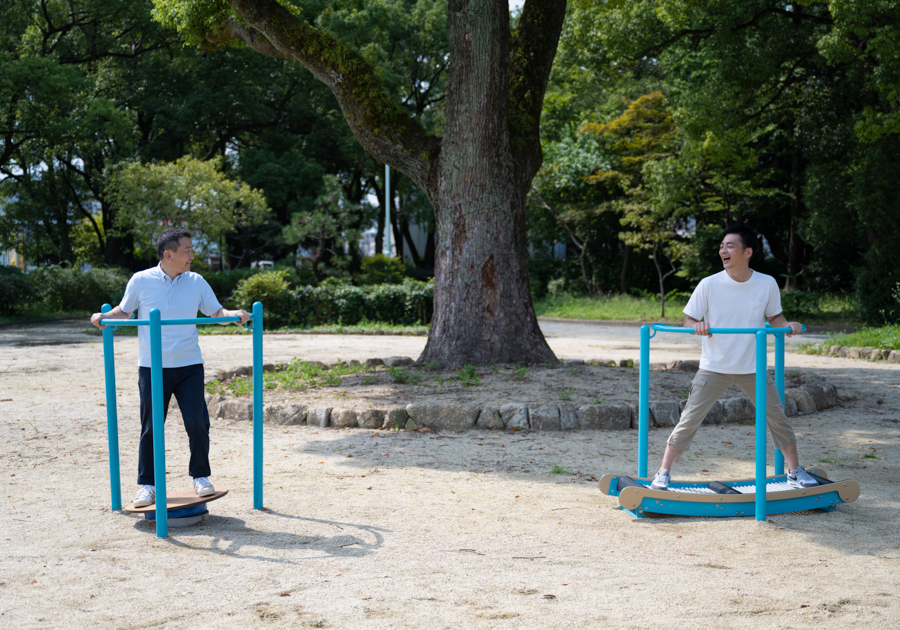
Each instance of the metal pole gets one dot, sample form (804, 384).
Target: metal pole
(257, 405)
(387, 211)
(761, 426)
(779, 383)
(159, 435)
(644, 402)
(112, 420)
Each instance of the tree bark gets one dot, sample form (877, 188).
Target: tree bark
(476, 176)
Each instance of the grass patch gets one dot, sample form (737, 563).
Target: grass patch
(468, 377)
(295, 376)
(556, 469)
(616, 307)
(883, 337)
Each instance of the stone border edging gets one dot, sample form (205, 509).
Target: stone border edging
(867, 353)
(814, 394)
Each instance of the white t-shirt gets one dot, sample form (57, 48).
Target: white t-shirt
(726, 303)
(176, 299)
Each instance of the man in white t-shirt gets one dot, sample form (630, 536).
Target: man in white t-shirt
(178, 293)
(736, 297)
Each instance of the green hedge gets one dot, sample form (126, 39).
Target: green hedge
(69, 289)
(16, 291)
(339, 302)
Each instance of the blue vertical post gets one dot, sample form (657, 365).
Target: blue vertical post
(761, 378)
(644, 402)
(159, 435)
(257, 405)
(779, 383)
(112, 420)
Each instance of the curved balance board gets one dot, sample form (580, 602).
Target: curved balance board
(734, 498)
(178, 500)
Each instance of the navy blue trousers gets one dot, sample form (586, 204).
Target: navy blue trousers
(186, 383)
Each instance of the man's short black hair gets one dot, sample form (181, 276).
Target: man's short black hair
(748, 238)
(170, 239)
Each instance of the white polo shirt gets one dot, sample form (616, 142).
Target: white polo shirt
(727, 303)
(176, 299)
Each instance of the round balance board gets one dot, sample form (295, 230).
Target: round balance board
(183, 507)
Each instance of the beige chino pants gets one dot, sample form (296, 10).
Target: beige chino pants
(705, 391)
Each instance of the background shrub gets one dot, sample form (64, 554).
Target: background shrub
(272, 289)
(16, 291)
(381, 269)
(70, 289)
(339, 302)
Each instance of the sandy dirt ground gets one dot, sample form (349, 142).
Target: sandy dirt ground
(370, 529)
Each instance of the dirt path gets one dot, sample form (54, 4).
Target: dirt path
(371, 529)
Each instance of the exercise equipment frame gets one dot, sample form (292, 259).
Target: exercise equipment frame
(770, 495)
(159, 447)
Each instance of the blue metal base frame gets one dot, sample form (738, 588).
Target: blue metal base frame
(194, 510)
(639, 501)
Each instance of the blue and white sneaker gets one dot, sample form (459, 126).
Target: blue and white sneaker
(661, 481)
(203, 487)
(799, 478)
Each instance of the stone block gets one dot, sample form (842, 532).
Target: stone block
(894, 356)
(808, 378)
(235, 409)
(397, 361)
(790, 407)
(885, 353)
(396, 418)
(489, 418)
(610, 417)
(284, 414)
(835, 350)
(318, 417)
(544, 418)
(805, 403)
(853, 353)
(374, 362)
(343, 418)
(568, 417)
(444, 416)
(664, 413)
(716, 415)
(515, 415)
(817, 392)
(212, 404)
(830, 393)
(370, 418)
(738, 409)
(689, 366)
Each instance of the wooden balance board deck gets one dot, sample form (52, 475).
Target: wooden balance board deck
(732, 498)
(178, 500)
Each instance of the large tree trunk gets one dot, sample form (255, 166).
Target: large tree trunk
(482, 302)
(476, 176)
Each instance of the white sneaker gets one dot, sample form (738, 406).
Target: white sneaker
(799, 478)
(203, 487)
(145, 496)
(661, 481)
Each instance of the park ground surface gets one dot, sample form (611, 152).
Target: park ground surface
(371, 529)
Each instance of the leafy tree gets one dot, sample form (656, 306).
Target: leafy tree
(476, 174)
(185, 193)
(327, 231)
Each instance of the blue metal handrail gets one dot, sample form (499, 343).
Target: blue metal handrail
(761, 370)
(159, 451)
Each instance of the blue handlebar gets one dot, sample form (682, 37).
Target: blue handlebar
(169, 322)
(725, 331)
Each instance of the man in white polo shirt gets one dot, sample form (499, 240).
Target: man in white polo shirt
(736, 297)
(178, 293)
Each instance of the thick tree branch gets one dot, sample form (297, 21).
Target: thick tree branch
(532, 50)
(378, 122)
